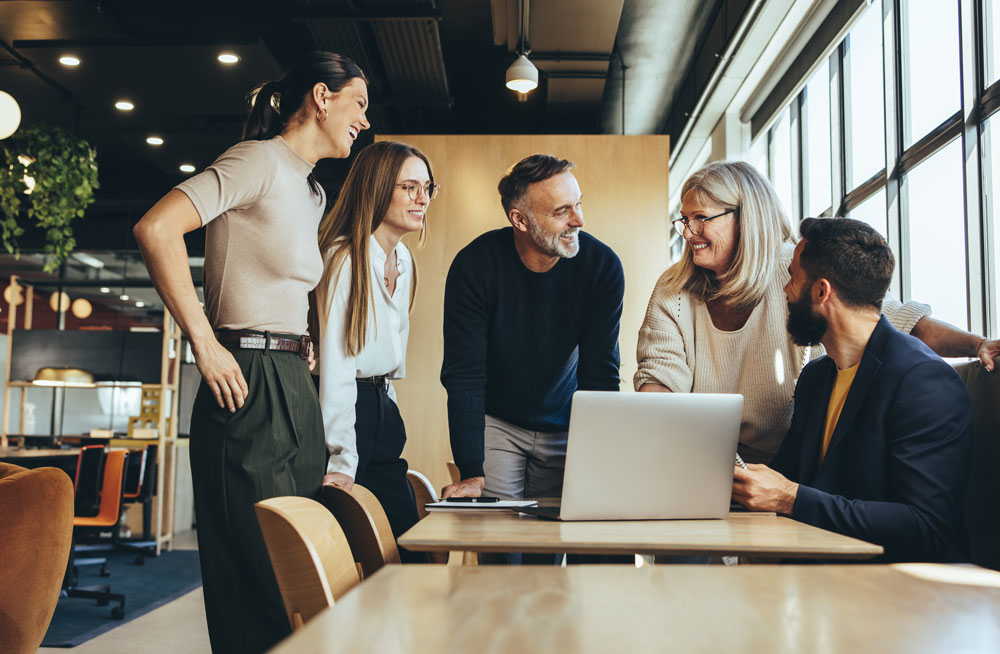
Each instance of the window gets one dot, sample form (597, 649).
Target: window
(873, 212)
(931, 91)
(864, 101)
(936, 261)
(991, 189)
(991, 47)
(781, 162)
(816, 127)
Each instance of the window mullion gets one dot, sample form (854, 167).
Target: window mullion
(971, 76)
(895, 199)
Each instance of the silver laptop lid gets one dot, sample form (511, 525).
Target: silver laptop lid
(645, 456)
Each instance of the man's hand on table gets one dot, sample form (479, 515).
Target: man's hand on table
(763, 489)
(471, 487)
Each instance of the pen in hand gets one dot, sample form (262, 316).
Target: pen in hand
(740, 463)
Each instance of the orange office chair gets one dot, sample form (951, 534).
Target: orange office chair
(106, 519)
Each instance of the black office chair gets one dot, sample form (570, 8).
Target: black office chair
(982, 512)
(140, 488)
(87, 482)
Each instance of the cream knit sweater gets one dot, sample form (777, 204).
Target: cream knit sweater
(680, 348)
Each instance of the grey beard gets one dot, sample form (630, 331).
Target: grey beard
(551, 244)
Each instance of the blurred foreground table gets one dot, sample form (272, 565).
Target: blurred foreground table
(760, 608)
(758, 535)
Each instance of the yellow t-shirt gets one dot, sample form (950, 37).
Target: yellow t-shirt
(838, 396)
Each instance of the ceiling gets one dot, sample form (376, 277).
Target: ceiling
(435, 66)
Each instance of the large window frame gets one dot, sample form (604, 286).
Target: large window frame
(978, 103)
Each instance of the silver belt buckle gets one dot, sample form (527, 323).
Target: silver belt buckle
(253, 342)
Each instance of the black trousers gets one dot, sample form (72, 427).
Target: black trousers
(273, 446)
(381, 436)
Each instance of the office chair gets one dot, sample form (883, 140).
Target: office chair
(140, 488)
(87, 481)
(982, 512)
(310, 555)
(365, 524)
(106, 519)
(36, 514)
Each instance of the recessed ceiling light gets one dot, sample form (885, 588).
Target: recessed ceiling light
(69, 60)
(154, 140)
(105, 289)
(228, 58)
(124, 105)
(123, 298)
(187, 168)
(140, 304)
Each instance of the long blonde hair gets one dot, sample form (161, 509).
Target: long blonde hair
(762, 228)
(346, 229)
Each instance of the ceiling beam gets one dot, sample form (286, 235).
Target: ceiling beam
(371, 14)
(569, 56)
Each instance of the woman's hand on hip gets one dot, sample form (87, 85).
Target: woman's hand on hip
(220, 371)
(340, 480)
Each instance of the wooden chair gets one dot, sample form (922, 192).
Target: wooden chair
(982, 512)
(106, 519)
(365, 524)
(456, 476)
(36, 529)
(311, 557)
(424, 491)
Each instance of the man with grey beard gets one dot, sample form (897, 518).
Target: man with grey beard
(531, 314)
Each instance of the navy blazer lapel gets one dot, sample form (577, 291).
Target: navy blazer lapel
(812, 436)
(871, 362)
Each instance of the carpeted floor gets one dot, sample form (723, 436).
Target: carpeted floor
(146, 587)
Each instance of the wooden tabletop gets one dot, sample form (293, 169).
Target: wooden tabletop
(15, 453)
(746, 534)
(612, 608)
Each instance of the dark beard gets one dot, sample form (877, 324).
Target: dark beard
(804, 326)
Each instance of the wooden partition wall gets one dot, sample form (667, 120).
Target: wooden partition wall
(624, 184)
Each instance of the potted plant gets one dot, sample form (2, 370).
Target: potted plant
(56, 173)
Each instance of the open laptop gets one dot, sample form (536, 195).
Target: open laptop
(648, 456)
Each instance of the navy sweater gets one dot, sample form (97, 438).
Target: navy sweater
(517, 343)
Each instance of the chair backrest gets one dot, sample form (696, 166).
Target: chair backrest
(365, 524)
(87, 483)
(111, 492)
(151, 471)
(135, 472)
(36, 528)
(982, 511)
(310, 555)
(423, 490)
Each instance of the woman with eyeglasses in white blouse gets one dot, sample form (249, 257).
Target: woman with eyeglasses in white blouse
(363, 302)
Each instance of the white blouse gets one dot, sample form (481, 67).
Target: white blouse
(384, 352)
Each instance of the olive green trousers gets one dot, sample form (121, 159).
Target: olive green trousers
(272, 446)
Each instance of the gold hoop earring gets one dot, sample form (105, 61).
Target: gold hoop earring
(324, 112)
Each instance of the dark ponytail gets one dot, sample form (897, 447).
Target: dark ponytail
(272, 104)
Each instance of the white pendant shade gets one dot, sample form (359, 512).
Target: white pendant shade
(522, 76)
(10, 115)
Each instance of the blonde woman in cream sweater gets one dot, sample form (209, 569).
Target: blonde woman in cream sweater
(716, 319)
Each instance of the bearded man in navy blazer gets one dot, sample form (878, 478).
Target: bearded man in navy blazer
(881, 437)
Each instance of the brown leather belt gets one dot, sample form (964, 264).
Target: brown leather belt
(247, 340)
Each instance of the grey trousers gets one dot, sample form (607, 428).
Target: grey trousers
(521, 463)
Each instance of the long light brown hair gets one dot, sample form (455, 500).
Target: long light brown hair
(360, 208)
(762, 229)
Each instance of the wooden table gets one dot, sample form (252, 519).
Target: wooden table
(760, 608)
(760, 535)
(40, 457)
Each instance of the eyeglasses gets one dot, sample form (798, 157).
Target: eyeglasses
(697, 225)
(430, 189)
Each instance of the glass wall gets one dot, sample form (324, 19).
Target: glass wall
(899, 72)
